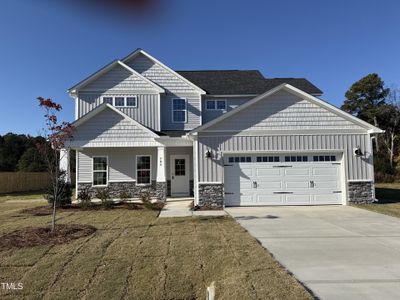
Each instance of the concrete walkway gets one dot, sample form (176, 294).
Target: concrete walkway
(339, 252)
(180, 207)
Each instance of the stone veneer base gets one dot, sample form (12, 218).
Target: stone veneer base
(211, 195)
(156, 190)
(361, 192)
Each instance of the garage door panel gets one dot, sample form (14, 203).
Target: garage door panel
(294, 183)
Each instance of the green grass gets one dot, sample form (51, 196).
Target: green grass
(388, 195)
(135, 255)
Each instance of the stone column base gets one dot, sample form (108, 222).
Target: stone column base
(361, 192)
(211, 195)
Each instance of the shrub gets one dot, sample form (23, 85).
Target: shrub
(146, 199)
(124, 196)
(64, 194)
(85, 198)
(105, 197)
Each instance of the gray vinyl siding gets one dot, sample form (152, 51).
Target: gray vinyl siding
(146, 112)
(178, 151)
(231, 103)
(121, 163)
(193, 112)
(160, 75)
(283, 111)
(109, 129)
(357, 168)
(119, 79)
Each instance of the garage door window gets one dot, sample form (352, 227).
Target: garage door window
(267, 158)
(324, 158)
(296, 158)
(237, 159)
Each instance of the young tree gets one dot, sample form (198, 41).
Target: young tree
(57, 134)
(364, 98)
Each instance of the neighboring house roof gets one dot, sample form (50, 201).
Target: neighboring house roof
(102, 107)
(243, 82)
(107, 68)
(370, 128)
(141, 51)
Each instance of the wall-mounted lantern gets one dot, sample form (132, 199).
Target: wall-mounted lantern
(208, 154)
(357, 151)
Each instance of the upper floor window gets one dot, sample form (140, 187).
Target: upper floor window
(179, 110)
(216, 104)
(119, 101)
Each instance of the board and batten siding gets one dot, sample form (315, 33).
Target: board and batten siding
(231, 103)
(119, 79)
(146, 112)
(110, 129)
(157, 73)
(121, 163)
(357, 168)
(284, 111)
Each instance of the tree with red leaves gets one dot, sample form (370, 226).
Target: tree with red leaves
(58, 135)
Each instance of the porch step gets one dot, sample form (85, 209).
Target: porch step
(176, 199)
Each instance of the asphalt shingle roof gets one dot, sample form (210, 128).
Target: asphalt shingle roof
(237, 82)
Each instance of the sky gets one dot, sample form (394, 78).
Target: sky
(48, 46)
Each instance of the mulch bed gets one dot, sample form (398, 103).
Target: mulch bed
(35, 236)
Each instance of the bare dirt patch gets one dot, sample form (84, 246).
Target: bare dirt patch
(35, 236)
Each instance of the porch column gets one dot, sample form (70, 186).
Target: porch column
(64, 164)
(161, 164)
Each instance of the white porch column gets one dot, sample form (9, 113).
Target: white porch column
(161, 164)
(64, 163)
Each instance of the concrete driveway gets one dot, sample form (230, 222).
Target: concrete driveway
(339, 252)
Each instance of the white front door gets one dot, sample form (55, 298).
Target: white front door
(179, 175)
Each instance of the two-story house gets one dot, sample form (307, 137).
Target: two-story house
(224, 137)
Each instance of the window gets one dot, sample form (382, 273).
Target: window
(143, 169)
(238, 159)
(100, 170)
(180, 167)
(296, 158)
(131, 101)
(216, 104)
(119, 101)
(267, 158)
(324, 158)
(108, 100)
(179, 110)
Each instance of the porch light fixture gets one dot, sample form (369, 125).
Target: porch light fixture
(357, 151)
(208, 154)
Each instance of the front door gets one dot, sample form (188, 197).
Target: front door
(179, 175)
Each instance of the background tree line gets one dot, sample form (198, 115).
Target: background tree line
(370, 100)
(19, 152)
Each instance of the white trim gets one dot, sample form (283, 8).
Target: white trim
(215, 103)
(76, 98)
(196, 171)
(284, 151)
(291, 89)
(125, 97)
(123, 101)
(172, 111)
(231, 96)
(107, 170)
(287, 132)
(187, 175)
(76, 173)
(73, 90)
(159, 111)
(161, 164)
(83, 181)
(138, 51)
(136, 169)
(126, 180)
(102, 107)
(210, 182)
(360, 180)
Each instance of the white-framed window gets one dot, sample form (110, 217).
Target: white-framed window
(179, 110)
(100, 170)
(131, 101)
(121, 101)
(143, 169)
(216, 104)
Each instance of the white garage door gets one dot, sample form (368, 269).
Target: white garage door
(283, 180)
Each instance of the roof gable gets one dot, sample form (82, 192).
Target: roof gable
(156, 71)
(303, 111)
(108, 127)
(116, 75)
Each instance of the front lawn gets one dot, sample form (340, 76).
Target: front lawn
(388, 195)
(135, 255)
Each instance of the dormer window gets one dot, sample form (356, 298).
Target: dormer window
(119, 101)
(216, 104)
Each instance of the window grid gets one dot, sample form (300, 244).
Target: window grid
(179, 110)
(143, 169)
(121, 101)
(324, 158)
(100, 171)
(216, 104)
